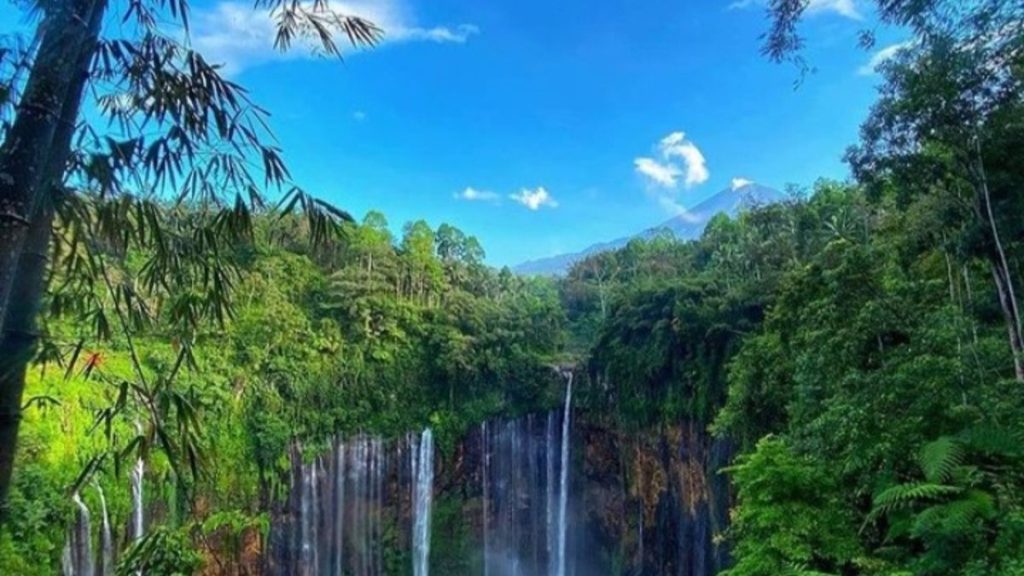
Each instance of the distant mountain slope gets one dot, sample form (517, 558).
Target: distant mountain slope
(684, 227)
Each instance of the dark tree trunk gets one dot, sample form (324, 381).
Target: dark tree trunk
(19, 335)
(25, 153)
(18, 343)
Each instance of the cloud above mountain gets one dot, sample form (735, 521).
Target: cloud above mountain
(678, 161)
(738, 183)
(238, 36)
(678, 157)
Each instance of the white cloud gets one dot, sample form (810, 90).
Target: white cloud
(879, 58)
(238, 36)
(438, 34)
(471, 194)
(663, 174)
(845, 8)
(743, 4)
(738, 183)
(676, 145)
(680, 157)
(679, 161)
(535, 199)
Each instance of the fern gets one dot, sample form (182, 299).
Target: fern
(993, 441)
(940, 458)
(801, 569)
(956, 517)
(952, 499)
(906, 495)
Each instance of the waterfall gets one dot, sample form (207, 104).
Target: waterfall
(106, 559)
(338, 540)
(563, 483)
(524, 467)
(77, 559)
(549, 517)
(340, 506)
(307, 519)
(363, 494)
(138, 472)
(485, 480)
(423, 489)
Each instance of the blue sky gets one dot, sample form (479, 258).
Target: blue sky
(571, 122)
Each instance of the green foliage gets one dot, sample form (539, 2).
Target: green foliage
(452, 547)
(371, 336)
(163, 552)
(967, 496)
(791, 515)
(831, 336)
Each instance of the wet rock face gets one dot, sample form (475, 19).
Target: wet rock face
(653, 502)
(648, 503)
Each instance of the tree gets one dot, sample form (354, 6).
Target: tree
(944, 105)
(946, 96)
(991, 22)
(790, 517)
(423, 269)
(179, 133)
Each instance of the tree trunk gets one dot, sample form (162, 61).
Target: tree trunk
(17, 346)
(19, 335)
(1016, 346)
(24, 154)
(1001, 271)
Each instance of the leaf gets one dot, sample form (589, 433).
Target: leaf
(938, 459)
(905, 495)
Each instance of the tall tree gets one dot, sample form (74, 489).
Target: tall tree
(946, 96)
(179, 132)
(948, 105)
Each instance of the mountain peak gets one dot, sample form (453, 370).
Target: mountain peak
(738, 183)
(688, 225)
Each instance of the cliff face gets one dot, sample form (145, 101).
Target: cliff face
(646, 503)
(653, 502)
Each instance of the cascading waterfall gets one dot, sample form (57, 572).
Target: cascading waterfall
(106, 559)
(485, 461)
(344, 503)
(77, 558)
(338, 538)
(137, 476)
(422, 461)
(138, 515)
(525, 479)
(563, 483)
(549, 517)
(344, 499)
